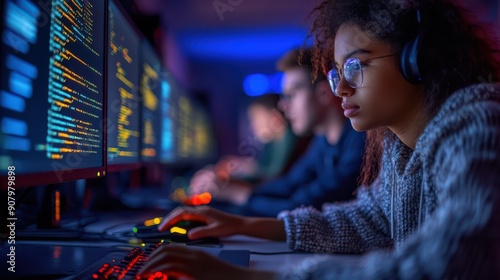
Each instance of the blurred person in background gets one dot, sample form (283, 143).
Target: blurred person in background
(269, 152)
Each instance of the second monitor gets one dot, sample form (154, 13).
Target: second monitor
(123, 107)
(151, 86)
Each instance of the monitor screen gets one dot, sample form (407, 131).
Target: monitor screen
(52, 90)
(123, 115)
(151, 91)
(168, 119)
(203, 135)
(184, 127)
(194, 131)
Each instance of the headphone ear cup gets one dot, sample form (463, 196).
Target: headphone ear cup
(409, 61)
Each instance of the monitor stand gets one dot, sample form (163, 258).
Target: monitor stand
(49, 207)
(52, 204)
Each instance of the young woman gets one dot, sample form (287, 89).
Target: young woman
(412, 73)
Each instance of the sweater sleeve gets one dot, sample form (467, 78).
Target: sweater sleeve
(461, 238)
(350, 227)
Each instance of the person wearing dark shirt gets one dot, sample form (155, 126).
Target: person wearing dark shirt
(325, 173)
(274, 149)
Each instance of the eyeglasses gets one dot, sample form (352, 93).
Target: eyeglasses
(352, 71)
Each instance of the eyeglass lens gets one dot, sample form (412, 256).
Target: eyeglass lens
(352, 73)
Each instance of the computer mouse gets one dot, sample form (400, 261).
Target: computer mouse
(179, 231)
(176, 233)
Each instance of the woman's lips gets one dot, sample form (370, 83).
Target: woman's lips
(349, 109)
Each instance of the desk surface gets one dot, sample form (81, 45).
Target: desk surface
(277, 256)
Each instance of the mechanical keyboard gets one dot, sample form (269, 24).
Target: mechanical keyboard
(128, 267)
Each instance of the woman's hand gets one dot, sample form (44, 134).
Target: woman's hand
(181, 261)
(219, 224)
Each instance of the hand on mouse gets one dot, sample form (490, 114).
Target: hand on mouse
(181, 261)
(219, 224)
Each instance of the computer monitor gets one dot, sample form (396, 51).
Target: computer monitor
(124, 112)
(184, 127)
(203, 135)
(151, 84)
(52, 91)
(195, 137)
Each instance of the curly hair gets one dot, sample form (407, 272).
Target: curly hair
(454, 51)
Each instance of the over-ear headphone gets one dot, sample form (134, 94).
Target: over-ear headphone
(409, 57)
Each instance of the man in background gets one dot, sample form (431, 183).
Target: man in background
(329, 169)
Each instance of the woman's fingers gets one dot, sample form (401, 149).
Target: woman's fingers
(219, 224)
(162, 255)
(176, 261)
(181, 214)
(183, 261)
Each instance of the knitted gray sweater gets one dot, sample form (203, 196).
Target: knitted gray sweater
(440, 202)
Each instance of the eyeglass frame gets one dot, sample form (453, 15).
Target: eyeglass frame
(340, 75)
